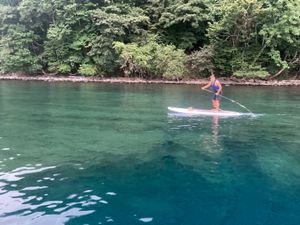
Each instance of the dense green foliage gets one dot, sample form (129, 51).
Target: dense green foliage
(151, 60)
(169, 39)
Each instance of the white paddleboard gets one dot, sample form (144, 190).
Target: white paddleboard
(192, 111)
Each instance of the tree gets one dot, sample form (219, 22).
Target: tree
(69, 38)
(244, 38)
(151, 60)
(15, 50)
(250, 36)
(119, 22)
(281, 34)
(16, 43)
(234, 35)
(183, 23)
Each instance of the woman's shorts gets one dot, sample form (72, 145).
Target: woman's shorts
(217, 97)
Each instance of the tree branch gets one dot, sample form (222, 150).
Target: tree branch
(278, 73)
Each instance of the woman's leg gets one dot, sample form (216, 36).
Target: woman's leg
(216, 104)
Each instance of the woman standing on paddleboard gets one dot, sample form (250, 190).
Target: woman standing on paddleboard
(217, 88)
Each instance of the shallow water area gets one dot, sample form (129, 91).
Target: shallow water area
(79, 154)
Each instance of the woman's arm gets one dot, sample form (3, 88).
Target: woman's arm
(220, 88)
(206, 86)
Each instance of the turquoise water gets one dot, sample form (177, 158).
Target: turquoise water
(110, 154)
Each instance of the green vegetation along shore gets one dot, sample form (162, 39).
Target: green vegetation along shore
(227, 81)
(151, 39)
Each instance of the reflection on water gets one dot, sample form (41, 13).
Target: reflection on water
(31, 204)
(215, 128)
(21, 204)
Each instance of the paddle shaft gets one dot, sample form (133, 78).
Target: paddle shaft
(230, 100)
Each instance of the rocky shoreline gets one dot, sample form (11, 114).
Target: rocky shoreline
(225, 81)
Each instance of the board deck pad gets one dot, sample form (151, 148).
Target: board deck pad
(206, 112)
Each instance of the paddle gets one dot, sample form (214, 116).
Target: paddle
(222, 96)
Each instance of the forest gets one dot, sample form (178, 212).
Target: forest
(151, 39)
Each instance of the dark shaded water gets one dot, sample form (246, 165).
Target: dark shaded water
(97, 153)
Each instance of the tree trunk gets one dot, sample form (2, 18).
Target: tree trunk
(278, 73)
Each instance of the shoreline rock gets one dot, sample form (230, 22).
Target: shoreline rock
(225, 81)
